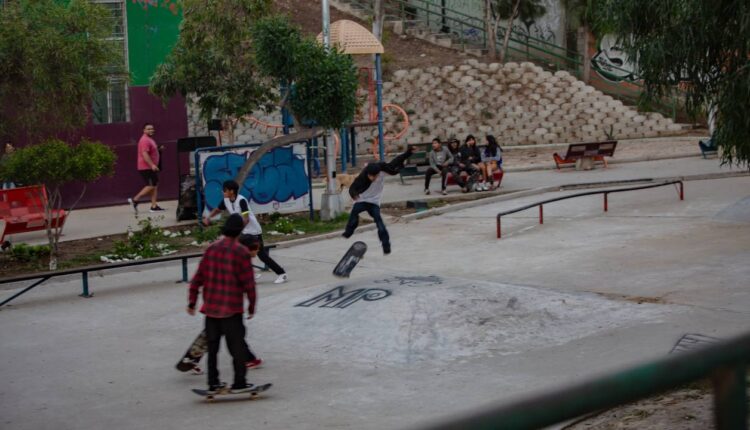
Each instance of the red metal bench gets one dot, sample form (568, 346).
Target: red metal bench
(582, 152)
(22, 210)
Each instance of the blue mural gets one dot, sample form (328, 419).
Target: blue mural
(277, 177)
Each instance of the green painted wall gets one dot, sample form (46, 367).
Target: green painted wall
(153, 27)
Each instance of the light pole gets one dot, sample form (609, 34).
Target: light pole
(330, 204)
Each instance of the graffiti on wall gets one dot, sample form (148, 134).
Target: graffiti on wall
(277, 182)
(611, 62)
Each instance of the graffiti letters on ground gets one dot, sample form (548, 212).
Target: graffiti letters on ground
(338, 298)
(611, 62)
(277, 181)
(412, 281)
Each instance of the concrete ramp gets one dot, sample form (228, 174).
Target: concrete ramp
(737, 212)
(405, 319)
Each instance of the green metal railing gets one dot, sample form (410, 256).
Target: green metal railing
(724, 363)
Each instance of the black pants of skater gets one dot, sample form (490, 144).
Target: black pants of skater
(246, 239)
(233, 330)
(374, 211)
(428, 176)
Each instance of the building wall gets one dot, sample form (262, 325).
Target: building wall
(152, 30)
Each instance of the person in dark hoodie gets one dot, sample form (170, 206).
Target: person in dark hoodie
(366, 191)
(471, 159)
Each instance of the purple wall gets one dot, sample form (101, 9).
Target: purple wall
(170, 123)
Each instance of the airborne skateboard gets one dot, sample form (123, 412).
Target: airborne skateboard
(193, 355)
(253, 394)
(350, 259)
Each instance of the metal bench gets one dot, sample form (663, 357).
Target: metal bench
(417, 164)
(22, 210)
(708, 147)
(583, 155)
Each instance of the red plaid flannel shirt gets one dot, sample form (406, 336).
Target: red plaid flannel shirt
(225, 273)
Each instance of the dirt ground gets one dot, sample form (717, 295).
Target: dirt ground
(687, 409)
(401, 52)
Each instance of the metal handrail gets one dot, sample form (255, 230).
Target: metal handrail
(587, 193)
(725, 363)
(40, 277)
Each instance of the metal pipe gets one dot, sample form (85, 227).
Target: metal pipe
(730, 398)
(379, 90)
(605, 202)
(184, 270)
(541, 214)
(24, 290)
(499, 234)
(85, 281)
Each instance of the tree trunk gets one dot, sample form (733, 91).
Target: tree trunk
(272, 144)
(490, 29)
(508, 30)
(583, 48)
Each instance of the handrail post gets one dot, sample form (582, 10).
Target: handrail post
(499, 234)
(606, 207)
(541, 214)
(184, 270)
(682, 191)
(730, 398)
(85, 282)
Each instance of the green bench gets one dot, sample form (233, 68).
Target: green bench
(417, 164)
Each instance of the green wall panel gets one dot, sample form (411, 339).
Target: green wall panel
(153, 27)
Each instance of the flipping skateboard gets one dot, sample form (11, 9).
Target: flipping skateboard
(193, 355)
(253, 394)
(350, 259)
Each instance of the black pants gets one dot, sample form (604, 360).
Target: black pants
(374, 211)
(428, 176)
(456, 172)
(233, 329)
(246, 239)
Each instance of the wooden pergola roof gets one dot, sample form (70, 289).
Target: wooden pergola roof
(352, 38)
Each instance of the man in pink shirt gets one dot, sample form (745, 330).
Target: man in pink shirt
(148, 167)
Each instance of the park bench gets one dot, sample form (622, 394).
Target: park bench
(22, 210)
(583, 155)
(417, 164)
(708, 147)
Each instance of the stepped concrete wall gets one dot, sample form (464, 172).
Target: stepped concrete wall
(521, 104)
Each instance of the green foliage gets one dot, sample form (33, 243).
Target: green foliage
(702, 45)
(528, 10)
(147, 242)
(281, 224)
(54, 163)
(324, 80)
(27, 253)
(424, 129)
(53, 57)
(214, 59)
(208, 233)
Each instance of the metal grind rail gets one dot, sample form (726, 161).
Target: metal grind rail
(724, 363)
(587, 193)
(39, 278)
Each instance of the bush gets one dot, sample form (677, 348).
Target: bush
(147, 242)
(27, 253)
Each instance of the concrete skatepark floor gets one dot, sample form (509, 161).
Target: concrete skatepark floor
(468, 320)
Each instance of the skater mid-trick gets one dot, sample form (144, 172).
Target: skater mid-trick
(366, 191)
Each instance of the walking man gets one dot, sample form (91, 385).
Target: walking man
(225, 274)
(148, 167)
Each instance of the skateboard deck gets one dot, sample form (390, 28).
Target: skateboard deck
(350, 259)
(226, 392)
(193, 355)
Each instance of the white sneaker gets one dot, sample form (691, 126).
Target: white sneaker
(484, 186)
(281, 279)
(258, 275)
(427, 192)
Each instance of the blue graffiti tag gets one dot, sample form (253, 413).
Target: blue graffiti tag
(278, 176)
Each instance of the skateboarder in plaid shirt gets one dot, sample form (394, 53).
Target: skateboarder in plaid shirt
(225, 274)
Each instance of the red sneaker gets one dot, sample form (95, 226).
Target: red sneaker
(254, 364)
